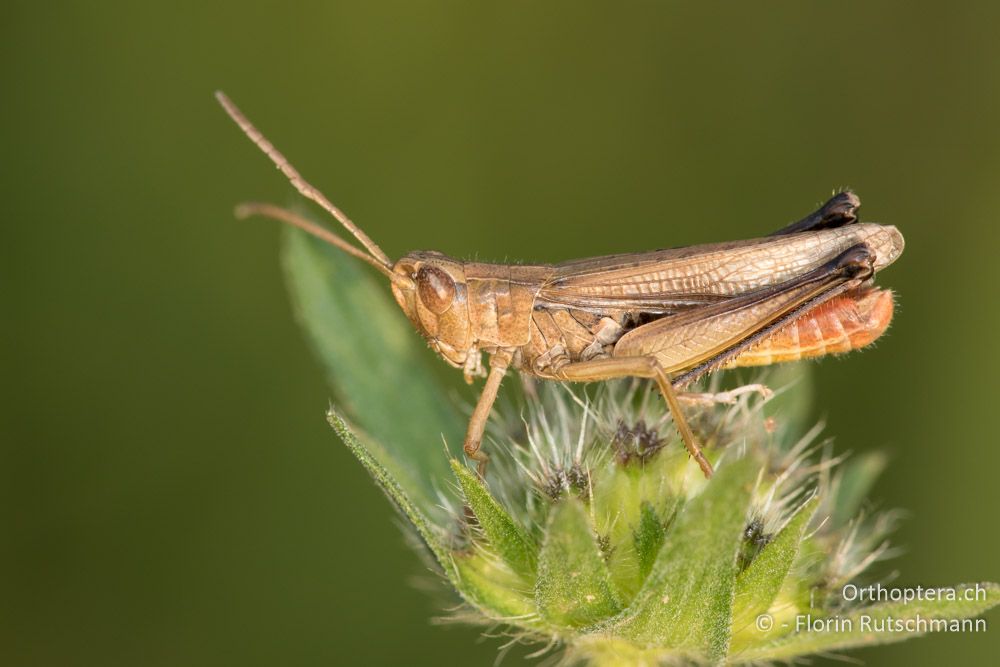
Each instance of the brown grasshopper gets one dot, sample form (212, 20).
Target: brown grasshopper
(667, 315)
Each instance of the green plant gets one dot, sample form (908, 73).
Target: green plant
(595, 533)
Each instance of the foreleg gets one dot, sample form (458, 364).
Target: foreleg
(499, 363)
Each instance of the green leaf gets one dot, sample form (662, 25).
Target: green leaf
(395, 493)
(850, 630)
(759, 584)
(647, 538)
(493, 591)
(574, 587)
(686, 602)
(497, 592)
(856, 478)
(506, 536)
(375, 364)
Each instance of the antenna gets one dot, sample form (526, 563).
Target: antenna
(306, 190)
(284, 215)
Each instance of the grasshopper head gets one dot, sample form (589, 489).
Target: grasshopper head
(436, 302)
(429, 287)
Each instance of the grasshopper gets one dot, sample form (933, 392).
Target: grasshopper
(672, 315)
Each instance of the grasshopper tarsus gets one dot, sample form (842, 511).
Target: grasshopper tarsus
(857, 262)
(729, 397)
(838, 211)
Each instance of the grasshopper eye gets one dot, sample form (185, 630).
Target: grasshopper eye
(436, 289)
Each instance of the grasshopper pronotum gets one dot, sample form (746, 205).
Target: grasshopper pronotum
(667, 315)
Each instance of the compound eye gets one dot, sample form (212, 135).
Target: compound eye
(436, 289)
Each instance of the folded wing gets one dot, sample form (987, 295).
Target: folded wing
(673, 280)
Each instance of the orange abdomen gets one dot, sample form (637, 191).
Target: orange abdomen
(844, 323)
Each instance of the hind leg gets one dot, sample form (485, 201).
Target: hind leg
(644, 367)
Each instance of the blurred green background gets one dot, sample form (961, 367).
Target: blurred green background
(172, 494)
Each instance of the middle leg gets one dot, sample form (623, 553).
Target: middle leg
(499, 363)
(725, 397)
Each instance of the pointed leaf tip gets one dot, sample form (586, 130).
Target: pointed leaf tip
(759, 584)
(506, 536)
(394, 491)
(647, 539)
